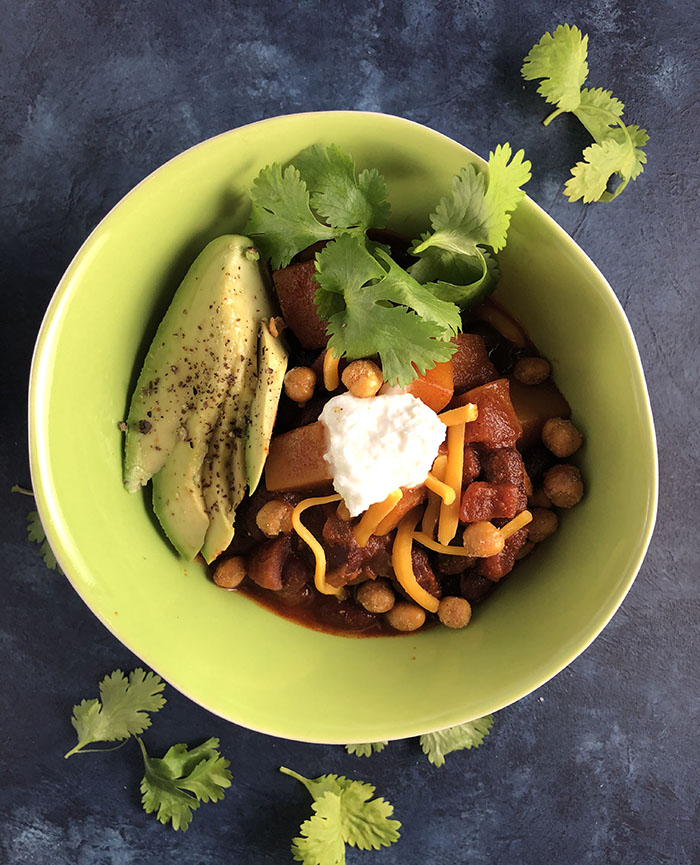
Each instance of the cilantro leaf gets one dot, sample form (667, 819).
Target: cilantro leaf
(477, 212)
(470, 735)
(368, 323)
(598, 111)
(36, 533)
(559, 59)
(355, 819)
(321, 840)
(342, 198)
(589, 178)
(175, 785)
(281, 220)
(122, 710)
(366, 749)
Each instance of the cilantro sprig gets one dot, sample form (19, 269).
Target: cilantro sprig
(372, 305)
(344, 813)
(323, 178)
(366, 749)
(122, 711)
(436, 746)
(559, 61)
(175, 785)
(36, 533)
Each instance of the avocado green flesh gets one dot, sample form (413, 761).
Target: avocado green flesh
(224, 473)
(190, 407)
(272, 365)
(178, 502)
(185, 355)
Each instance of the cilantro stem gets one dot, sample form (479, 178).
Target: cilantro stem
(16, 488)
(553, 116)
(292, 774)
(80, 750)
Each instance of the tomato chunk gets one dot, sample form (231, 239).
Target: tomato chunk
(497, 424)
(494, 568)
(470, 363)
(296, 289)
(435, 387)
(484, 501)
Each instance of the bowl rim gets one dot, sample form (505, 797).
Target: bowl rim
(41, 479)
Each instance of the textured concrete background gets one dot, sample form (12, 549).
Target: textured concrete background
(601, 764)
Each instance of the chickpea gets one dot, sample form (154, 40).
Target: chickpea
(561, 437)
(230, 573)
(405, 616)
(563, 485)
(276, 325)
(299, 384)
(532, 370)
(539, 499)
(275, 518)
(544, 523)
(525, 550)
(376, 596)
(482, 540)
(362, 378)
(454, 612)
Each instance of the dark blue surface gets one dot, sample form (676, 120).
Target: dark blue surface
(600, 765)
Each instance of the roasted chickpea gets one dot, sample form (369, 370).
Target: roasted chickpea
(482, 540)
(230, 573)
(376, 596)
(532, 370)
(454, 612)
(362, 378)
(275, 518)
(563, 486)
(544, 523)
(405, 616)
(525, 550)
(539, 499)
(561, 437)
(299, 384)
(276, 325)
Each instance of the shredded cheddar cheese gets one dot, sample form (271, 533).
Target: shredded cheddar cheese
(440, 488)
(449, 514)
(331, 379)
(428, 542)
(403, 564)
(316, 548)
(517, 523)
(463, 414)
(374, 515)
(343, 512)
(432, 511)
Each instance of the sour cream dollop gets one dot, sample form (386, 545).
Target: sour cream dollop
(378, 444)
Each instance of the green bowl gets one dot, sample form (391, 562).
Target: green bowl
(221, 649)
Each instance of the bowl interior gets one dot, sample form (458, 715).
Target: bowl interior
(220, 648)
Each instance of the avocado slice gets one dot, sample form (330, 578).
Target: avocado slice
(194, 339)
(272, 365)
(224, 473)
(197, 379)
